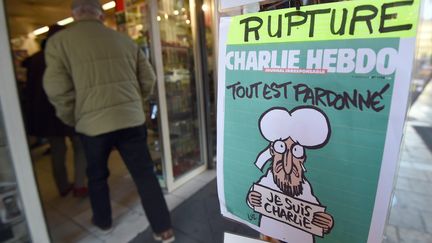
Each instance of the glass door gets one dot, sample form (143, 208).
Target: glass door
(183, 91)
(21, 218)
(13, 225)
(138, 27)
(165, 31)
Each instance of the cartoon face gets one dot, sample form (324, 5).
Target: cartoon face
(289, 134)
(288, 166)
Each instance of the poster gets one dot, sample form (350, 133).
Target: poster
(311, 109)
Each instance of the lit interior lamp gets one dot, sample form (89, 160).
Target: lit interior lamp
(158, 18)
(205, 7)
(65, 21)
(69, 20)
(176, 12)
(166, 16)
(40, 31)
(109, 5)
(188, 21)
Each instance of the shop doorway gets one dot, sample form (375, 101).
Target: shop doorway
(167, 31)
(67, 217)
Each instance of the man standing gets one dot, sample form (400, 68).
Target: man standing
(42, 122)
(96, 78)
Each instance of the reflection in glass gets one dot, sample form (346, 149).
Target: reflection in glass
(207, 9)
(13, 226)
(177, 53)
(138, 28)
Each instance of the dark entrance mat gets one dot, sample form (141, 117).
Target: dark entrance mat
(198, 220)
(426, 134)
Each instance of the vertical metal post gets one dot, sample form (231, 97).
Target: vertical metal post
(216, 17)
(199, 63)
(205, 81)
(163, 114)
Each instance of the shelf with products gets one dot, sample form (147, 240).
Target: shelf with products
(186, 128)
(180, 103)
(181, 98)
(175, 116)
(177, 81)
(177, 47)
(183, 118)
(185, 125)
(155, 150)
(138, 23)
(182, 165)
(185, 145)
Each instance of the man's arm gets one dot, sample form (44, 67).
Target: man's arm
(59, 86)
(146, 76)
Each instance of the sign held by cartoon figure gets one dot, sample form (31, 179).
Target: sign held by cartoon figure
(283, 196)
(299, 214)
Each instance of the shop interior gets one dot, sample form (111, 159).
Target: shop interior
(177, 142)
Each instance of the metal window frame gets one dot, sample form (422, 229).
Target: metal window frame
(171, 182)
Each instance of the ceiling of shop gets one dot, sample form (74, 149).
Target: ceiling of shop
(24, 16)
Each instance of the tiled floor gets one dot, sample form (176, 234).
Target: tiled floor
(69, 218)
(198, 220)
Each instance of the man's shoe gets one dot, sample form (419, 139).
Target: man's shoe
(80, 192)
(165, 237)
(103, 229)
(65, 192)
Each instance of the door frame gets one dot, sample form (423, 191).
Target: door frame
(17, 140)
(171, 182)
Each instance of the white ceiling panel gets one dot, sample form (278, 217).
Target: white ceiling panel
(24, 16)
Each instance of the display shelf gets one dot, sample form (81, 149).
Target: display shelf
(186, 126)
(184, 94)
(175, 45)
(178, 48)
(187, 163)
(178, 116)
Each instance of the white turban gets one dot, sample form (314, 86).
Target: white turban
(307, 126)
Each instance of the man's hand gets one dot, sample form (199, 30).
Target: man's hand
(254, 198)
(324, 221)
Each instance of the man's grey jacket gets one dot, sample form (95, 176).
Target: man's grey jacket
(96, 78)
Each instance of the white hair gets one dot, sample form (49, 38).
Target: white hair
(87, 11)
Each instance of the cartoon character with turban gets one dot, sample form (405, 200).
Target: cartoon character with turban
(289, 134)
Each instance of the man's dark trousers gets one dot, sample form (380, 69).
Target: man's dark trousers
(132, 145)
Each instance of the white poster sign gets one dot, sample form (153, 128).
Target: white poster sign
(311, 111)
(295, 212)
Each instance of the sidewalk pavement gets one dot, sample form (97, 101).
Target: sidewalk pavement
(198, 219)
(411, 214)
